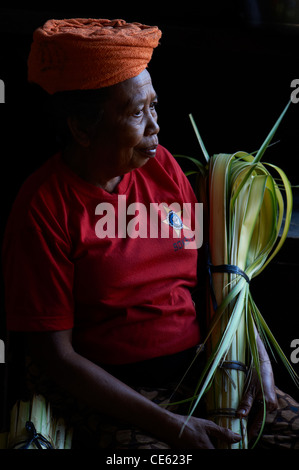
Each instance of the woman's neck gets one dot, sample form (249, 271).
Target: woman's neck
(80, 162)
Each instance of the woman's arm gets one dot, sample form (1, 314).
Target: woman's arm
(106, 394)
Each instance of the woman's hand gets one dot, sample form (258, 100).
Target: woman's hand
(253, 397)
(201, 434)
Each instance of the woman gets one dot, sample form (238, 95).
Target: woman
(107, 306)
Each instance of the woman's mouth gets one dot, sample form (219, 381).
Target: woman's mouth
(148, 152)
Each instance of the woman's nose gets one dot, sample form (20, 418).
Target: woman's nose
(152, 126)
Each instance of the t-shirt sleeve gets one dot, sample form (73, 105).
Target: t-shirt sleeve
(38, 276)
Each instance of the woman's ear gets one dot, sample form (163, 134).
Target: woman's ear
(79, 134)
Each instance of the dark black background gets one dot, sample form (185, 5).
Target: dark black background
(228, 63)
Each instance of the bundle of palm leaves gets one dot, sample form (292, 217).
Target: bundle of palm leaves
(34, 426)
(249, 213)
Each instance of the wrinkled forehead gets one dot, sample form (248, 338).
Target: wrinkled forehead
(134, 90)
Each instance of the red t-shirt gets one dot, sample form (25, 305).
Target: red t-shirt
(126, 297)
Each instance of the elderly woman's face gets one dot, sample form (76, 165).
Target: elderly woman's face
(127, 137)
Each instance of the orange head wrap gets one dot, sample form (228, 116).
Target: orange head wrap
(77, 54)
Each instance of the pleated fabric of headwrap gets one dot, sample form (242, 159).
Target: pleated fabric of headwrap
(84, 53)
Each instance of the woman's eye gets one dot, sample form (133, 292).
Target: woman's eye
(138, 113)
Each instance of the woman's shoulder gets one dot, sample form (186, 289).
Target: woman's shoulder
(36, 183)
(37, 193)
